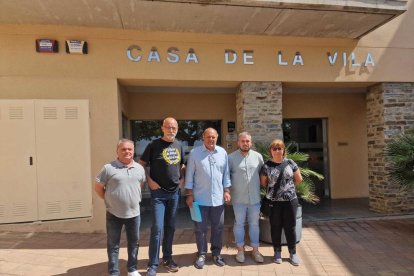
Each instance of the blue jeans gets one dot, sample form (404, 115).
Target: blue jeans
(164, 209)
(113, 230)
(216, 217)
(252, 212)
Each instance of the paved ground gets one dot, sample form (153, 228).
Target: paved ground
(361, 247)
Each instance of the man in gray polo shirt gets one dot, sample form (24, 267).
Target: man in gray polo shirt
(119, 183)
(244, 165)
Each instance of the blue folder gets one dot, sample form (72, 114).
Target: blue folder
(195, 212)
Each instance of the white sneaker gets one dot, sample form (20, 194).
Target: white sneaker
(134, 273)
(240, 257)
(294, 259)
(278, 257)
(258, 257)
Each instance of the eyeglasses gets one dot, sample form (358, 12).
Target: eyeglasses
(168, 127)
(277, 149)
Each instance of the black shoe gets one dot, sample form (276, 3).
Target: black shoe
(199, 263)
(218, 260)
(170, 265)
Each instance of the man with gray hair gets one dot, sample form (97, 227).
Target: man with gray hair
(119, 183)
(244, 166)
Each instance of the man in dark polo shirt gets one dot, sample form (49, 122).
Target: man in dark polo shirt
(165, 158)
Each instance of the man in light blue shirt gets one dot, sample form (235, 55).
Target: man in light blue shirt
(245, 165)
(207, 182)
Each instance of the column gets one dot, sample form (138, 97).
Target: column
(259, 110)
(390, 112)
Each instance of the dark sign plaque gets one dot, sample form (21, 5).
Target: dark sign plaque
(47, 46)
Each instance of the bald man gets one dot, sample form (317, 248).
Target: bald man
(208, 183)
(165, 158)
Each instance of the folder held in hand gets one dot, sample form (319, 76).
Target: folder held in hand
(195, 212)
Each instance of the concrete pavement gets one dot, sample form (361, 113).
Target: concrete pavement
(360, 247)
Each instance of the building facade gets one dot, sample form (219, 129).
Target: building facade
(334, 83)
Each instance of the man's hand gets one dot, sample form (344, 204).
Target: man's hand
(152, 184)
(100, 190)
(227, 196)
(182, 182)
(189, 198)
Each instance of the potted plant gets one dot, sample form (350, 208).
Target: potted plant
(305, 191)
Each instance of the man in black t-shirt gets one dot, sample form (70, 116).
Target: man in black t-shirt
(165, 159)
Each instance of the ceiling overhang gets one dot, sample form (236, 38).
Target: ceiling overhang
(306, 18)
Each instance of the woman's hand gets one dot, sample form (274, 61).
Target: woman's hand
(297, 177)
(263, 181)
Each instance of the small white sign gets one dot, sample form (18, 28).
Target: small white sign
(231, 137)
(76, 47)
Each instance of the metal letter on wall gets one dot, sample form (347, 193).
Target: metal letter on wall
(130, 55)
(172, 53)
(230, 56)
(191, 56)
(248, 57)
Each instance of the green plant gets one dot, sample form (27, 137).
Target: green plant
(400, 154)
(306, 189)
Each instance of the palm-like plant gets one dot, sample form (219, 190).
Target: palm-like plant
(306, 190)
(400, 154)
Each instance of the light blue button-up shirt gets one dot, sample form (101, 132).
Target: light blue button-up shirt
(245, 179)
(207, 174)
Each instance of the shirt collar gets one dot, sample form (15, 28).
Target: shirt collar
(121, 165)
(241, 154)
(206, 149)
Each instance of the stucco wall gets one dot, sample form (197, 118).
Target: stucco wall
(104, 130)
(346, 114)
(107, 56)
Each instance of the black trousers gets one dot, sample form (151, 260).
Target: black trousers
(283, 216)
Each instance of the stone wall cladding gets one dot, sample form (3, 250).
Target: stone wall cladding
(259, 110)
(390, 112)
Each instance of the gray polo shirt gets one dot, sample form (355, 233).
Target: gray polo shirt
(244, 174)
(122, 188)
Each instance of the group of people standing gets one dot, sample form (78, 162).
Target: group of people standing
(211, 178)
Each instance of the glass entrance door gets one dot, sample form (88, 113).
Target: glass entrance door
(310, 136)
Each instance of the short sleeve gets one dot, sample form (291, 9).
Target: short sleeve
(261, 162)
(102, 177)
(147, 153)
(264, 170)
(293, 165)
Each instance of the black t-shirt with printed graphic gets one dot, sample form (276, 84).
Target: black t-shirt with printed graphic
(165, 160)
(286, 191)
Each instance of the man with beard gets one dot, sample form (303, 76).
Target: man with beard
(165, 158)
(245, 165)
